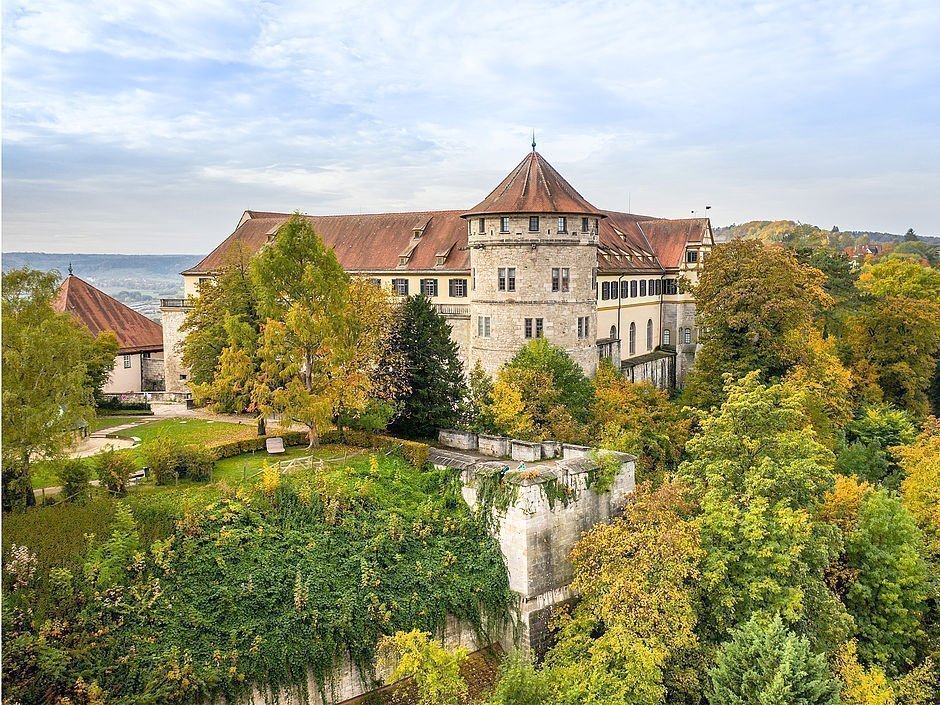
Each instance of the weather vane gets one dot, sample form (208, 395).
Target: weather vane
(533, 140)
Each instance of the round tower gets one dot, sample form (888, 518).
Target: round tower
(533, 259)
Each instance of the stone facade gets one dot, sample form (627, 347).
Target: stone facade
(176, 375)
(508, 303)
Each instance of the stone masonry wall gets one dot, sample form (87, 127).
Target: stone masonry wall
(175, 374)
(533, 255)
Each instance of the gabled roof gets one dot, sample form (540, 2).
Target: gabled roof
(669, 238)
(361, 242)
(534, 187)
(100, 312)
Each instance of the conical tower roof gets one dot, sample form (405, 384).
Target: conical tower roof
(534, 187)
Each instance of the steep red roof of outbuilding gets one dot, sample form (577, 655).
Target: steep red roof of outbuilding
(361, 242)
(100, 312)
(534, 187)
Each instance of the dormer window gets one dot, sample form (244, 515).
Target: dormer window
(440, 260)
(403, 260)
(417, 232)
(691, 256)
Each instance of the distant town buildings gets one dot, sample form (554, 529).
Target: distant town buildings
(533, 259)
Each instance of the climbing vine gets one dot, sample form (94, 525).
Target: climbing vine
(494, 495)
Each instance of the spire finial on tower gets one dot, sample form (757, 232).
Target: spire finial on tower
(70, 269)
(533, 140)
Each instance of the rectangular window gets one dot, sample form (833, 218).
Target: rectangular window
(400, 286)
(691, 256)
(584, 225)
(458, 288)
(642, 287)
(565, 278)
(127, 361)
(605, 290)
(483, 326)
(580, 327)
(511, 279)
(624, 290)
(504, 224)
(473, 279)
(652, 286)
(533, 223)
(556, 279)
(538, 327)
(633, 289)
(528, 328)
(501, 279)
(659, 287)
(482, 226)
(594, 279)
(584, 326)
(429, 287)
(562, 225)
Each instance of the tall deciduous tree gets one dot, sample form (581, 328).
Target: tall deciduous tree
(47, 390)
(766, 663)
(754, 303)
(638, 419)
(432, 368)
(888, 597)
(324, 335)
(760, 475)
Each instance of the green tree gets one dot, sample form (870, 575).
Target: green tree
(767, 664)
(476, 408)
(521, 683)
(433, 368)
(576, 393)
(867, 461)
(435, 670)
(910, 235)
(223, 314)
(888, 597)
(754, 303)
(323, 334)
(638, 419)
(760, 476)
(47, 391)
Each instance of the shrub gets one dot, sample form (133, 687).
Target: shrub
(196, 462)
(114, 469)
(163, 456)
(416, 453)
(74, 476)
(247, 445)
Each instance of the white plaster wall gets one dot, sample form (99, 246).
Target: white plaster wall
(124, 379)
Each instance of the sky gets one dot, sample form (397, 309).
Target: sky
(149, 127)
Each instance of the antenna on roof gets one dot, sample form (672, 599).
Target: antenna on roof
(70, 269)
(533, 140)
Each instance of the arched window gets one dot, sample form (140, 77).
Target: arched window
(667, 336)
(649, 334)
(613, 331)
(633, 338)
(687, 336)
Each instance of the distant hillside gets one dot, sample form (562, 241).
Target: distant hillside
(140, 281)
(790, 230)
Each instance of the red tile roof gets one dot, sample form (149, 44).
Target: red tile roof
(99, 312)
(669, 238)
(534, 187)
(362, 242)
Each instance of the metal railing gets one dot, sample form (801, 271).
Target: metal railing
(453, 309)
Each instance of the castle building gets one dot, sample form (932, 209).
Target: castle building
(139, 364)
(533, 259)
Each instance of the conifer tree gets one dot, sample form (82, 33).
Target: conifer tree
(432, 367)
(766, 663)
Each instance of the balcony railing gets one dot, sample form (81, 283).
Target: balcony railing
(453, 309)
(174, 303)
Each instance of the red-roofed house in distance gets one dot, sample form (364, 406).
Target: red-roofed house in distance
(139, 363)
(533, 259)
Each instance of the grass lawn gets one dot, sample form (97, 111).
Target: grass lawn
(233, 469)
(187, 431)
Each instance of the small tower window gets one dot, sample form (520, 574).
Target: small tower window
(584, 225)
(482, 226)
(562, 225)
(504, 224)
(533, 223)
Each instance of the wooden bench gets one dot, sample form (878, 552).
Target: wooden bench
(136, 478)
(274, 445)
